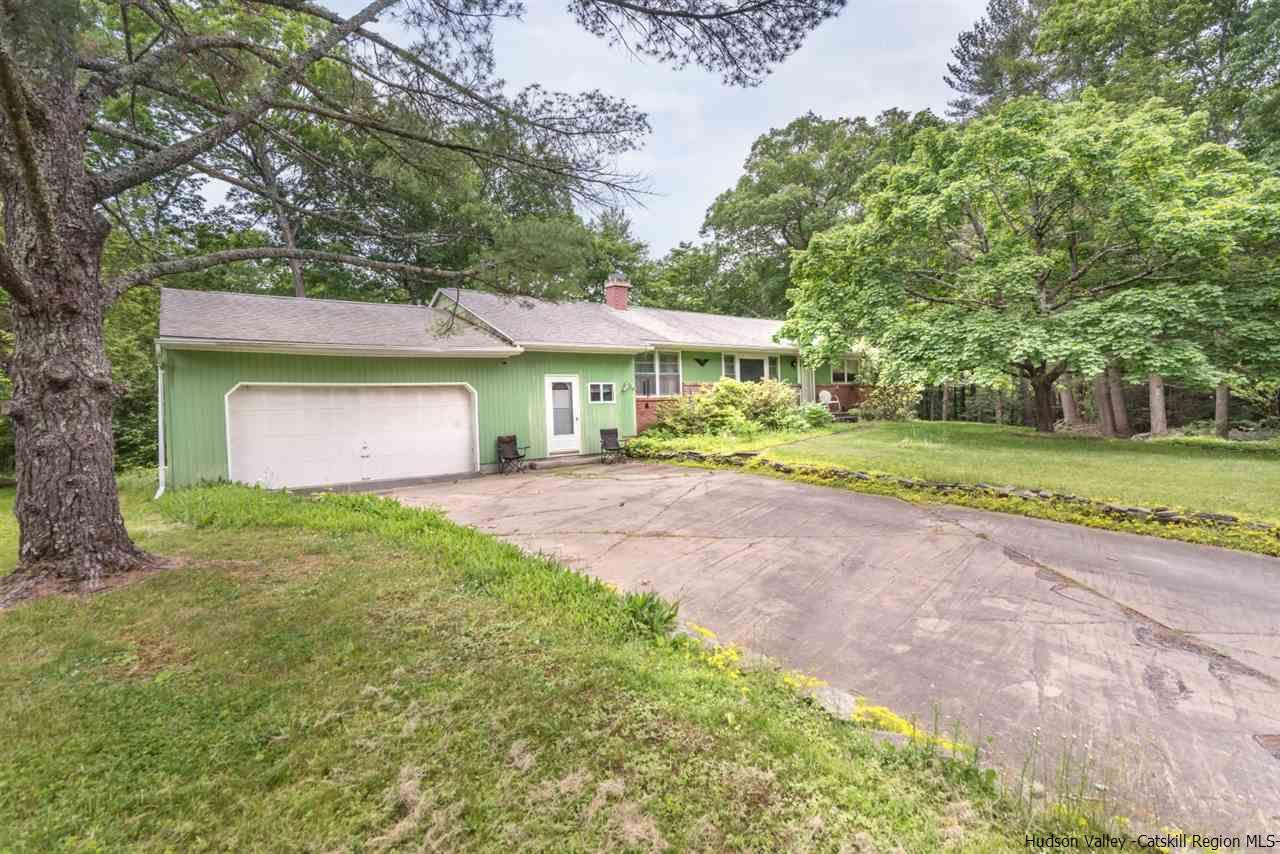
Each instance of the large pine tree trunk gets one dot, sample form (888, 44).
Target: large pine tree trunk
(1102, 403)
(1222, 411)
(1119, 409)
(67, 507)
(1159, 414)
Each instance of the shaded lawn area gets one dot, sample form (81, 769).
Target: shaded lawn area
(1197, 476)
(347, 674)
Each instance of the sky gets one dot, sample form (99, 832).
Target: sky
(877, 54)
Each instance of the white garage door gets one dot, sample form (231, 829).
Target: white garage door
(281, 436)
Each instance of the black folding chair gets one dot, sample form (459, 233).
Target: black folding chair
(511, 455)
(610, 448)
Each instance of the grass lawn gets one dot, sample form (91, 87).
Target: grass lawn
(1193, 475)
(346, 674)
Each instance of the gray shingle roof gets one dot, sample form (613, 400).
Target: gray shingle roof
(530, 322)
(533, 321)
(713, 330)
(258, 319)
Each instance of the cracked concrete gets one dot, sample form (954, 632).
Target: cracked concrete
(1162, 657)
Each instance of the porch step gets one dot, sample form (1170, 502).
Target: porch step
(562, 460)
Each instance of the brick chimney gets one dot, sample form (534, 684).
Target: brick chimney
(615, 290)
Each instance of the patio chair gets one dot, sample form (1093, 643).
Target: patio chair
(511, 456)
(830, 401)
(610, 447)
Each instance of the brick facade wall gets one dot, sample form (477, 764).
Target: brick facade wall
(647, 411)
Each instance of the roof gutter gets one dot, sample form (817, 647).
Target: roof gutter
(178, 343)
(558, 347)
(727, 348)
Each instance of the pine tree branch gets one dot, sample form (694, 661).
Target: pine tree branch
(150, 272)
(171, 157)
(12, 281)
(111, 77)
(369, 230)
(17, 104)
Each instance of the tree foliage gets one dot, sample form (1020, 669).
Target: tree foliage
(999, 58)
(1216, 56)
(1032, 241)
(797, 180)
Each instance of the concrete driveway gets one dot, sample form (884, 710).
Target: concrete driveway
(1160, 659)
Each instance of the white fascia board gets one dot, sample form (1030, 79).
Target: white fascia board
(335, 349)
(726, 348)
(557, 347)
(665, 346)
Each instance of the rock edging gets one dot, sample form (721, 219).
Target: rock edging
(1161, 515)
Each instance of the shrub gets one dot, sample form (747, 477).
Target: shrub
(738, 408)
(891, 403)
(815, 415)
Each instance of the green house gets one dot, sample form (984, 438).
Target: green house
(289, 392)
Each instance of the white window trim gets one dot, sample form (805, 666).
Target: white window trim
(737, 363)
(844, 363)
(657, 373)
(613, 393)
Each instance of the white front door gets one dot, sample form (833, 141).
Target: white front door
(564, 422)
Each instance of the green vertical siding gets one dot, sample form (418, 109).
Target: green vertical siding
(712, 371)
(692, 372)
(509, 393)
(822, 374)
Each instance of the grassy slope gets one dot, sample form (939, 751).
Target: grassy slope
(341, 675)
(1196, 476)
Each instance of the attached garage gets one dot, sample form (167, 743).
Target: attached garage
(295, 435)
(297, 393)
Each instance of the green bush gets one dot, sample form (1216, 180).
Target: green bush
(815, 415)
(737, 408)
(891, 403)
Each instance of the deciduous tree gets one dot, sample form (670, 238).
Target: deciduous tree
(1017, 243)
(797, 181)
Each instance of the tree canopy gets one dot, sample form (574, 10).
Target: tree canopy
(999, 58)
(797, 180)
(1031, 241)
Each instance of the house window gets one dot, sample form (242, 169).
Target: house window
(600, 392)
(657, 374)
(844, 371)
(749, 368)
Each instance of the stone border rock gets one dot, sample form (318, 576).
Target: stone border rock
(1162, 515)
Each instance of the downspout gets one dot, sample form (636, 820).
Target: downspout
(159, 419)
